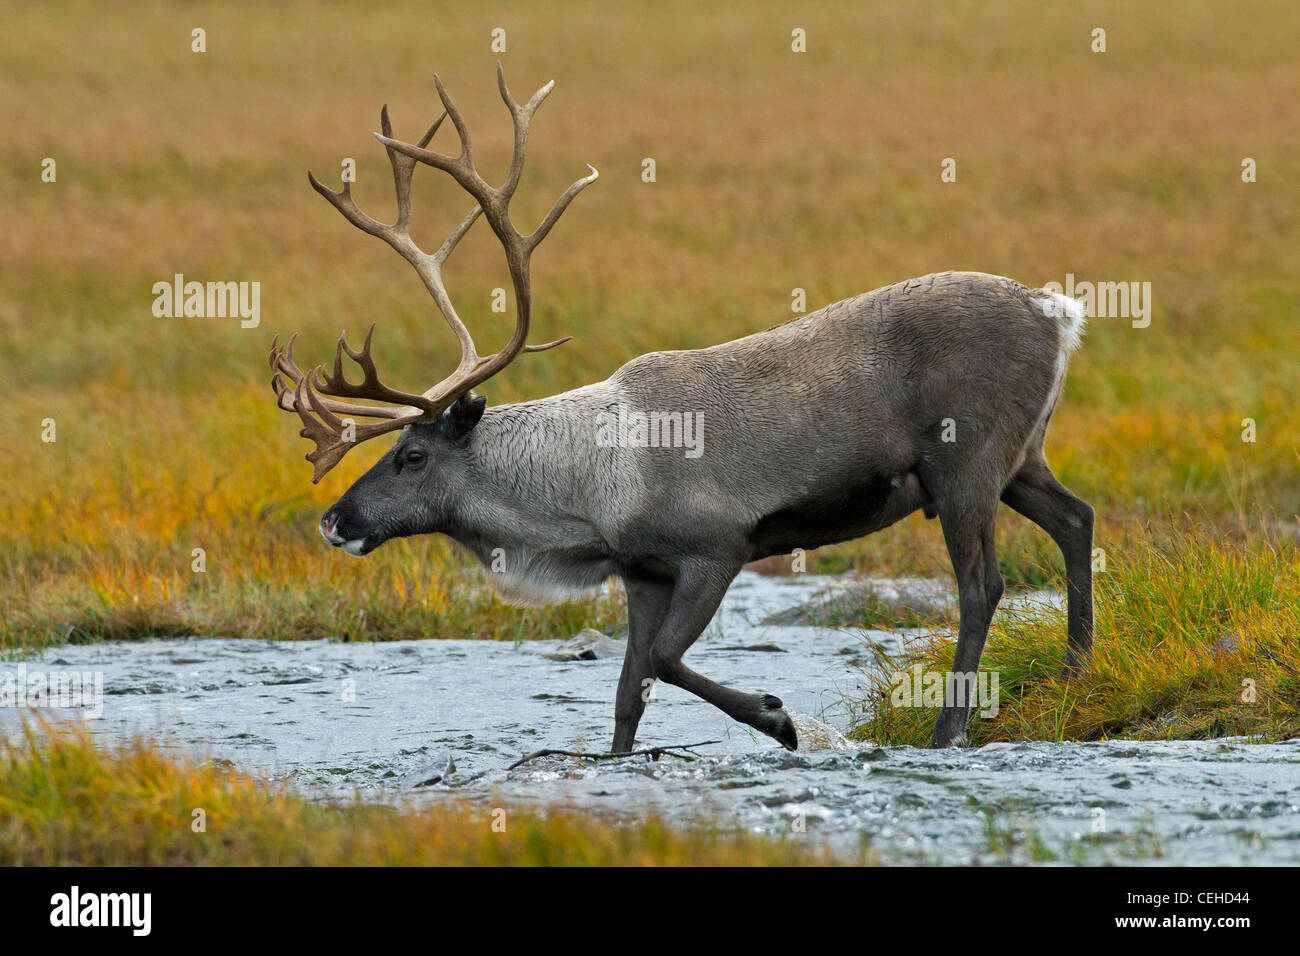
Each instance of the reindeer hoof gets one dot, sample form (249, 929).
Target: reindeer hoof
(938, 742)
(949, 731)
(776, 723)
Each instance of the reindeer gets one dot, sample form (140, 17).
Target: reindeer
(933, 394)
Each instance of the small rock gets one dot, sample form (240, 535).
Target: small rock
(1228, 645)
(437, 770)
(1286, 529)
(847, 602)
(998, 746)
(589, 644)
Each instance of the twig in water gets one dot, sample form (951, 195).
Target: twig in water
(654, 753)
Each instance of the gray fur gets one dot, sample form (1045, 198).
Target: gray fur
(820, 430)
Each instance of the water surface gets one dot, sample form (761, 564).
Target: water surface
(337, 718)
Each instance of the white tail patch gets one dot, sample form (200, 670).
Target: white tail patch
(1069, 312)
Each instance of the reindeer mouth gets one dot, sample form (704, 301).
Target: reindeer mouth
(357, 547)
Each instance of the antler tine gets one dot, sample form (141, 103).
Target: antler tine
(561, 204)
(461, 166)
(457, 234)
(282, 366)
(326, 430)
(403, 167)
(283, 357)
(547, 345)
(370, 386)
(360, 356)
(327, 410)
(343, 202)
(277, 380)
(457, 120)
(522, 118)
(528, 348)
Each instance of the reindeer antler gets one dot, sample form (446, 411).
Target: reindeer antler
(306, 393)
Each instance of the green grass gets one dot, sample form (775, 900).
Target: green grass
(1196, 637)
(1010, 840)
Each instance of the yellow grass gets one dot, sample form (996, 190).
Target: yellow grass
(775, 170)
(64, 801)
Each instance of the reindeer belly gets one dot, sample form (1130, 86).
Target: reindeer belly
(828, 517)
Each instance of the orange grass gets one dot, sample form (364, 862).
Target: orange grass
(64, 801)
(775, 170)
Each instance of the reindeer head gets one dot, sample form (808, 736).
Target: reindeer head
(408, 490)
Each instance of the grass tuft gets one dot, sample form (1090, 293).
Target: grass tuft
(1196, 638)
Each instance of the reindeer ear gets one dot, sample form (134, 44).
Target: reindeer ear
(459, 420)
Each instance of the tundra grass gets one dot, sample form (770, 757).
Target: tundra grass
(1012, 839)
(1197, 637)
(64, 801)
(175, 498)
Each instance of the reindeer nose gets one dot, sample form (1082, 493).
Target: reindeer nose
(328, 524)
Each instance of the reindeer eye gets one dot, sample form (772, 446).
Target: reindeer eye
(413, 456)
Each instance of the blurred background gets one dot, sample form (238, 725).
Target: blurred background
(775, 170)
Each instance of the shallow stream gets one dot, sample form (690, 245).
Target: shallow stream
(381, 718)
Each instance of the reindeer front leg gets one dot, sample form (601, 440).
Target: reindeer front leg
(647, 606)
(697, 592)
